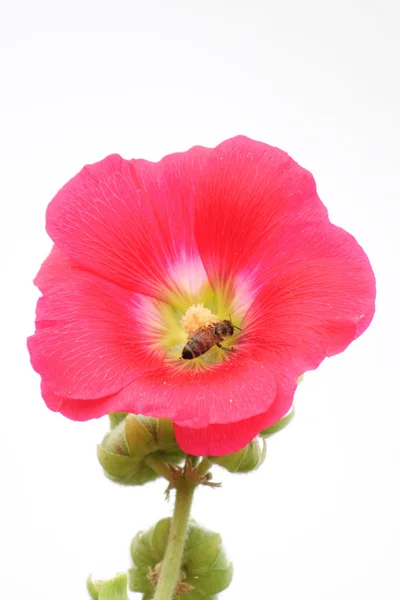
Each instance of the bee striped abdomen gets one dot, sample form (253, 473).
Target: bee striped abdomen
(206, 338)
(199, 344)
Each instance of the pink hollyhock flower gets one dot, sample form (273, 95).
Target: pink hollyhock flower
(238, 229)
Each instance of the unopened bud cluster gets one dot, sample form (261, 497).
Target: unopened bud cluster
(205, 570)
(139, 449)
(131, 440)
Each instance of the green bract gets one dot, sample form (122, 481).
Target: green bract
(112, 589)
(245, 460)
(205, 570)
(131, 440)
(281, 424)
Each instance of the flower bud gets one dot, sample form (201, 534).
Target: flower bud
(202, 550)
(205, 569)
(139, 581)
(133, 438)
(166, 442)
(139, 435)
(281, 424)
(243, 461)
(112, 589)
(147, 551)
(148, 548)
(116, 418)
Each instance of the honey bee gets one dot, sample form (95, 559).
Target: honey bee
(206, 338)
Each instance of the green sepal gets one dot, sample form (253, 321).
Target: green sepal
(132, 439)
(139, 582)
(112, 589)
(139, 435)
(205, 562)
(193, 595)
(247, 459)
(215, 581)
(148, 548)
(93, 587)
(281, 424)
(205, 566)
(200, 557)
(196, 535)
(125, 469)
(116, 418)
(165, 436)
(141, 552)
(115, 441)
(159, 538)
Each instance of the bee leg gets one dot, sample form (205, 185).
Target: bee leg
(222, 348)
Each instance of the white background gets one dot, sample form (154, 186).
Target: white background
(81, 79)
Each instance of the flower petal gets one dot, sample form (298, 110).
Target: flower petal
(57, 266)
(213, 440)
(92, 338)
(245, 216)
(132, 222)
(309, 311)
(219, 439)
(252, 201)
(78, 409)
(230, 391)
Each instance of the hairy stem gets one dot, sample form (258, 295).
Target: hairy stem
(159, 466)
(172, 561)
(204, 466)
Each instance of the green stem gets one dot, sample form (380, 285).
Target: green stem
(159, 466)
(204, 467)
(172, 561)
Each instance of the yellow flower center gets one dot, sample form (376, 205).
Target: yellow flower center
(197, 317)
(173, 323)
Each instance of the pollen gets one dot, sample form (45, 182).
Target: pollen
(197, 317)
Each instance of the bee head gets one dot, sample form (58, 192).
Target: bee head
(230, 323)
(224, 329)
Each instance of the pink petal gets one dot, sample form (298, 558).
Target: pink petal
(232, 391)
(219, 439)
(92, 338)
(252, 202)
(254, 217)
(309, 311)
(78, 409)
(223, 393)
(57, 266)
(215, 439)
(132, 222)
